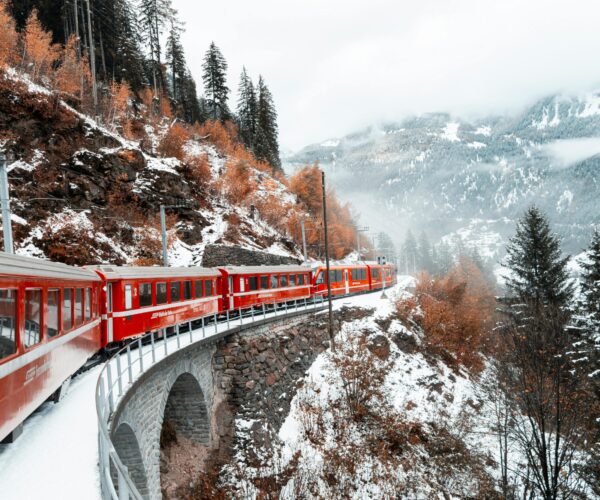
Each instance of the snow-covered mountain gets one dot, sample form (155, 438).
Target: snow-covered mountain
(450, 176)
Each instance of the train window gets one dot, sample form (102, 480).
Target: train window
(33, 318)
(175, 288)
(161, 293)
(88, 304)
(332, 277)
(320, 278)
(67, 309)
(52, 315)
(253, 283)
(128, 297)
(198, 286)
(301, 279)
(292, 280)
(145, 294)
(208, 288)
(109, 304)
(274, 282)
(375, 274)
(283, 280)
(187, 290)
(8, 318)
(264, 282)
(78, 306)
(242, 285)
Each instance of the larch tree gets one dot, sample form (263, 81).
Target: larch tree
(246, 110)
(215, 84)
(68, 75)
(8, 36)
(39, 53)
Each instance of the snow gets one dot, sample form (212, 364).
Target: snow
(331, 143)
(450, 132)
(163, 164)
(57, 454)
(592, 105)
(476, 145)
(484, 130)
(564, 202)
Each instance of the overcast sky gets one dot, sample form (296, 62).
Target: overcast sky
(335, 66)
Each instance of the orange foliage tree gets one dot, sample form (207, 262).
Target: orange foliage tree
(456, 312)
(8, 36)
(306, 184)
(39, 53)
(237, 183)
(68, 75)
(222, 135)
(171, 145)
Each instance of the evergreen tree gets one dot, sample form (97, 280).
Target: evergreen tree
(215, 84)
(425, 261)
(154, 15)
(444, 261)
(266, 146)
(189, 100)
(590, 281)
(386, 247)
(246, 110)
(176, 62)
(410, 251)
(538, 276)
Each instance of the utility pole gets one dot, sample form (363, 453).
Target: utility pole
(92, 57)
(303, 240)
(330, 325)
(5, 200)
(359, 230)
(163, 230)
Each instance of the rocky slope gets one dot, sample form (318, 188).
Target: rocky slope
(83, 194)
(451, 176)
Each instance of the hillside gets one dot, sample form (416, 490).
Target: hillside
(452, 176)
(83, 194)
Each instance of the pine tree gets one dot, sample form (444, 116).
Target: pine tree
(189, 100)
(445, 261)
(590, 280)
(538, 272)
(266, 146)
(246, 110)
(410, 251)
(154, 16)
(176, 61)
(215, 83)
(425, 260)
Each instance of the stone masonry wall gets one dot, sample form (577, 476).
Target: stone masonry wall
(222, 255)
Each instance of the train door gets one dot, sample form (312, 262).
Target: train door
(231, 292)
(346, 282)
(109, 310)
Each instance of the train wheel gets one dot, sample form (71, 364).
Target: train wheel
(60, 393)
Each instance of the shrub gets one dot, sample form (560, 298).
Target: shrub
(222, 136)
(171, 145)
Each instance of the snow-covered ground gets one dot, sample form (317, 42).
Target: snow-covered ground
(56, 456)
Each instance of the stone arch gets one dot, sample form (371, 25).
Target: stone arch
(128, 449)
(185, 409)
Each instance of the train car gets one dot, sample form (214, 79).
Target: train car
(381, 275)
(248, 286)
(346, 279)
(49, 327)
(136, 300)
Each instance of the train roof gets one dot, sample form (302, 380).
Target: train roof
(17, 265)
(133, 272)
(265, 269)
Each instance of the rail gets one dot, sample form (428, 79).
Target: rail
(129, 363)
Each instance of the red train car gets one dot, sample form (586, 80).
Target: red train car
(248, 286)
(137, 300)
(379, 272)
(346, 279)
(49, 327)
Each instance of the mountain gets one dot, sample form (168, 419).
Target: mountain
(453, 177)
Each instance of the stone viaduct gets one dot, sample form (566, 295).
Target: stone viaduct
(201, 389)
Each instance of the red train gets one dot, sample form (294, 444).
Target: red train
(54, 317)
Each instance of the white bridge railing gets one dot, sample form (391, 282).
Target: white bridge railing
(127, 365)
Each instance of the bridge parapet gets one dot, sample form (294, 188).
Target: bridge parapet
(176, 379)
